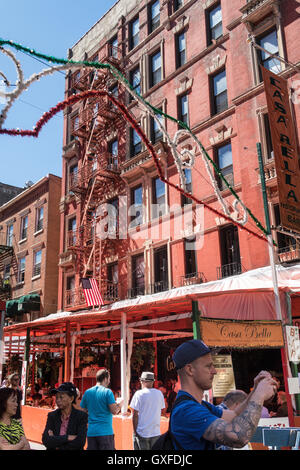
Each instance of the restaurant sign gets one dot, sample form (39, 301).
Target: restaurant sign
(241, 334)
(285, 149)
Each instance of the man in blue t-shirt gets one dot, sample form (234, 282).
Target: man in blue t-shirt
(199, 425)
(100, 404)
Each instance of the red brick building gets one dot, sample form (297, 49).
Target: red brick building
(29, 246)
(193, 61)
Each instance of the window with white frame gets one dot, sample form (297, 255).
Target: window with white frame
(134, 33)
(39, 224)
(158, 197)
(135, 143)
(219, 92)
(113, 46)
(155, 65)
(9, 235)
(214, 23)
(135, 81)
(180, 49)
(24, 227)
(156, 133)
(183, 109)
(37, 262)
(269, 42)
(154, 16)
(21, 270)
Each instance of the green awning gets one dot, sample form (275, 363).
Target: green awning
(29, 303)
(12, 307)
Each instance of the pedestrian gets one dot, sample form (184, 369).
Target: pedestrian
(12, 436)
(147, 405)
(100, 403)
(282, 410)
(232, 401)
(199, 425)
(13, 381)
(66, 426)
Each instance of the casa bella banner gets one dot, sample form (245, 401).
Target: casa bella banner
(241, 334)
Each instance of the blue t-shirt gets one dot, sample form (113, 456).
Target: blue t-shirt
(190, 421)
(96, 401)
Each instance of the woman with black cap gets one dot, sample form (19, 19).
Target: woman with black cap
(66, 427)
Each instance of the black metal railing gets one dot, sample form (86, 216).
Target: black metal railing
(227, 270)
(136, 291)
(159, 286)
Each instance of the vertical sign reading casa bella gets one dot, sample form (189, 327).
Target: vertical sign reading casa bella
(285, 149)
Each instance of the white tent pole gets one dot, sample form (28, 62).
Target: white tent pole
(123, 363)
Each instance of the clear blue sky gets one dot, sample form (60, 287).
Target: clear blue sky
(51, 27)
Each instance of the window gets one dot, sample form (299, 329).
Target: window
(224, 162)
(39, 219)
(230, 252)
(160, 270)
(134, 33)
(136, 206)
(270, 43)
(155, 69)
(138, 275)
(24, 227)
(74, 127)
(177, 4)
(73, 176)
(180, 48)
(113, 216)
(285, 242)
(219, 88)
(158, 198)
(113, 154)
(135, 81)
(155, 131)
(214, 23)
(190, 257)
(21, 270)
(188, 176)
(269, 144)
(70, 291)
(113, 273)
(9, 235)
(183, 110)
(71, 239)
(6, 274)
(37, 261)
(154, 16)
(113, 47)
(135, 143)
(114, 91)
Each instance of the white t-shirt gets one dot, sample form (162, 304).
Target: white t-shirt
(148, 402)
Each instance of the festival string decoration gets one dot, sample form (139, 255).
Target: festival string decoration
(184, 159)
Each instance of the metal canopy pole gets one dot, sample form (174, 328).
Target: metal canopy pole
(124, 393)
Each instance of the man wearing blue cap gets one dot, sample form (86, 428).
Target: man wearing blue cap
(199, 425)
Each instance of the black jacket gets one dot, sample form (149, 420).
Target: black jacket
(77, 426)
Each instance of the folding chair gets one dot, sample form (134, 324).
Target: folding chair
(278, 438)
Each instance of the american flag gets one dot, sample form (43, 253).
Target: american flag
(91, 292)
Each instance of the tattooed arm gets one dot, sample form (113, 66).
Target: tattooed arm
(239, 431)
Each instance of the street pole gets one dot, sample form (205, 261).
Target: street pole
(196, 320)
(124, 384)
(283, 350)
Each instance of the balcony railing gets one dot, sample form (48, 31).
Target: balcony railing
(193, 278)
(159, 286)
(136, 291)
(110, 291)
(288, 254)
(74, 297)
(227, 270)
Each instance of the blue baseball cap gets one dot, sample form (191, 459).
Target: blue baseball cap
(189, 351)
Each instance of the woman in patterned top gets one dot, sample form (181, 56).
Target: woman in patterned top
(12, 435)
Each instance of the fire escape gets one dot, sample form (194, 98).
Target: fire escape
(97, 180)
(8, 266)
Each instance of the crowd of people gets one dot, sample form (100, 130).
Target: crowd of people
(194, 423)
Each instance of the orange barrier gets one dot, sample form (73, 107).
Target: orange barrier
(34, 422)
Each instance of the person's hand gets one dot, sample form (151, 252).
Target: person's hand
(263, 374)
(71, 437)
(266, 388)
(50, 433)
